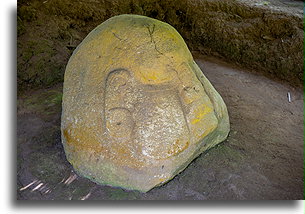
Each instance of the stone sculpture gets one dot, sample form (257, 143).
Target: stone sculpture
(136, 107)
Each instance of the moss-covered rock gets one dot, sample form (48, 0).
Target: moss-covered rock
(136, 107)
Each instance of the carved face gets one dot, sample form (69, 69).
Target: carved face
(150, 120)
(144, 119)
(136, 107)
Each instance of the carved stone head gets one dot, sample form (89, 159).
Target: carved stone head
(136, 107)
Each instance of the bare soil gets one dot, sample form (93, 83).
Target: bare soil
(261, 159)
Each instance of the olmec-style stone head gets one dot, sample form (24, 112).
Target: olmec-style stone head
(136, 107)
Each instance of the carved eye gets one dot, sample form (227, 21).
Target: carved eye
(118, 78)
(119, 122)
(118, 81)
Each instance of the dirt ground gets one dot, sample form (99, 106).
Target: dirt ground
(261, 159)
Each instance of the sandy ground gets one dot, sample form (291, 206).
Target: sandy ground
(261, 159)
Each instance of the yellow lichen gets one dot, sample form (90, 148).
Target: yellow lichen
(84, 142)
(201, 112)
(154, 75)
(177, 148)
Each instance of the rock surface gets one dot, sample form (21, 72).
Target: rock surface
(136, 107)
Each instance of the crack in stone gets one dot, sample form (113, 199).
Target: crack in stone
(116, 36)
(151, 32)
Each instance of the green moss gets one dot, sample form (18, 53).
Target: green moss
(20, 27)
(81, 189)
(37, 64)
(120, 194)
(26, 13)
(227, 154)
(76, 9)
(43, 103)
(47, 166)
(47, 140)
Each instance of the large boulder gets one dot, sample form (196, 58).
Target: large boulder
(136, 107)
